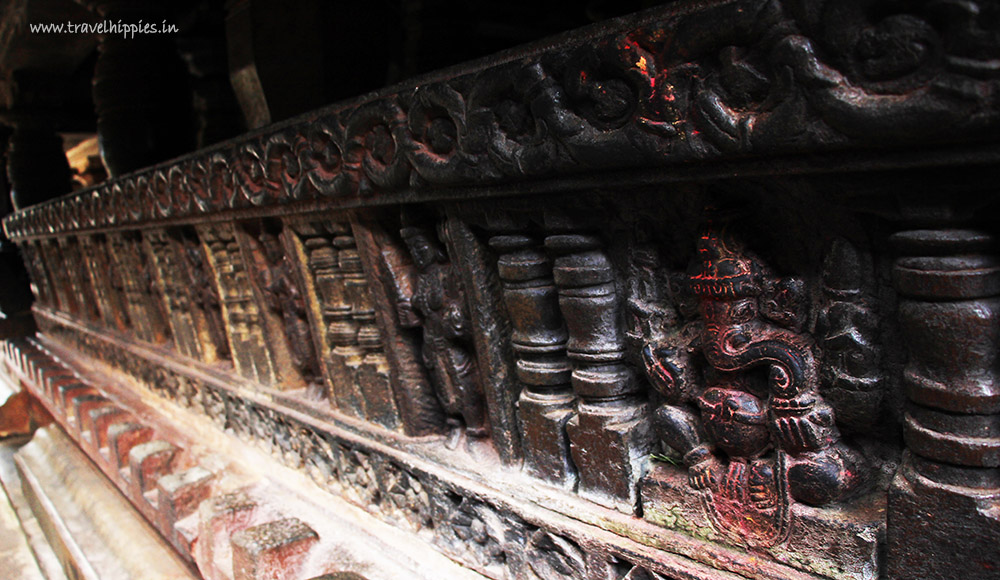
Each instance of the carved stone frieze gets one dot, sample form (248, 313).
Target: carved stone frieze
(583, 341)
(497, 272)
(143, 295)
(740, 78)
(239, 305)
(436, 305)
(285, 318)
(752, 444)
(352, 352)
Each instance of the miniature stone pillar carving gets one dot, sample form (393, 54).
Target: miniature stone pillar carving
(341, 332)
(176, 294)
(42, 285)
(99, 270)
(358, 314)
(945, 500)
(243, 320)
(611, 435)
(539, 343)
(51, 257)
(353, 353)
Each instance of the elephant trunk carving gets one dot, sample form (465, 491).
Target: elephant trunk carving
(744, 346)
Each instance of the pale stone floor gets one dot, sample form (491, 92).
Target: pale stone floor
(24, 552)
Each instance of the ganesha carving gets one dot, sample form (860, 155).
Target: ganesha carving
(742, 403)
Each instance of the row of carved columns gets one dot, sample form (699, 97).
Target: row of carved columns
(942, 514)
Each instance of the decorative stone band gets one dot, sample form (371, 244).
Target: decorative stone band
(709, 81)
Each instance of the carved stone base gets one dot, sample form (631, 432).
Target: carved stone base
(347, 394)
(609, 445)
(380, 403)
(543, 425)
(829, 542)
(937, 531)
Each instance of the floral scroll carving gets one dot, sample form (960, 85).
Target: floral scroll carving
(777, 77)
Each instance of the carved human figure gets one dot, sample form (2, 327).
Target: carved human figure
(283, 297)
(205, 295)
(753, 443)
(437, 304)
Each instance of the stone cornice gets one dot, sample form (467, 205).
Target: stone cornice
(744, 79)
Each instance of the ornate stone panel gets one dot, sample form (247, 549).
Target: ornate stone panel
(239, 305)
(195, 273)
(176, 292)
(340, 302)
(106, 281)
(143, 295)
(624, 304)
(283, 306)
(733, 79)
(42, 284)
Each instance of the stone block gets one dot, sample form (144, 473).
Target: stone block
(148, 462)
(122, 437)
(272, 551)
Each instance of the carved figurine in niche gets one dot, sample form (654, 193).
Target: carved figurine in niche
(752, 442)
(204, 293)
(282, 296)
(438, 306)
(116, 284)
(149, 286)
